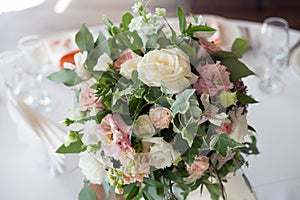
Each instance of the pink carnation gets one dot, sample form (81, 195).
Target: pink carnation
(199, 166)
(210, 47)
(160, 117)
(87, 97)
(126, 55)
(213, 79)
(117, 136)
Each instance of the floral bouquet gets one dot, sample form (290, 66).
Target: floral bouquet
(160, 109)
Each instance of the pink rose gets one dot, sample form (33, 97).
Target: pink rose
(213, 79)
(87, 97)
(126, 55)
(210, 47)
(199, 166)
(117, 136)
(160, 117)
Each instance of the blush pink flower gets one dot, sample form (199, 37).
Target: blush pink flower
(210, 47)
(160, 117)
(126, 55)
(199, 166)
(213, 79)
(226, 127)
(87, 97)
(117, 133)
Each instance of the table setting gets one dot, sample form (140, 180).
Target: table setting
(79, 109)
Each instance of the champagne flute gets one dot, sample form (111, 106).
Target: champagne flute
(274, 46)
(36, 64)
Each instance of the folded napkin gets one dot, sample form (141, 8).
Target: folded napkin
(38, 130)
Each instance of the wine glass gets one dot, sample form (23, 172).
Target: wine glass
(274, 47)
(36, 64)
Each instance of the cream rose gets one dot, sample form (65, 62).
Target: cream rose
(129, 66)
(172, 66)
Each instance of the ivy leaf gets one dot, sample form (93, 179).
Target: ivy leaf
(237, 69)
(214, 191)
(250, 148)
(243, 98)
(75, 147)
(221, 143)
(84, 39)
(182, 20)
(190, 130)
(239, 47)
(65, 76)
(182, 104)
(191, 153)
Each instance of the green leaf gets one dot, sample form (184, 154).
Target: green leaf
(248, 184)
(237, 69)
(154, 183)
(222, 55)
(250, 148)
(65, 76)
(147, 195)
(243, 98)
(101, 38)
(134, 191)
(221, 143)
(182, 104)
(126, 19)
(191, 153)
(87, 193)
(239, 47)
(193, 29)
(214, 190)
(75, 147)
(182, 20)
(108, 24)
(84, 39)
(190, 130)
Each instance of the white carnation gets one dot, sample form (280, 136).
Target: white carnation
(93, 170)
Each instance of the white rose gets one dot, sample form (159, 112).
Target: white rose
(129, 66)
(161, 153)
(103, 63)
(143, 127)
(172, 66)
(92, 169)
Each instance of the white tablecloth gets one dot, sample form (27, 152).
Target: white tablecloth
(274, 173)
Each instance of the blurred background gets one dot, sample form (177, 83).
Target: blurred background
(45, 17)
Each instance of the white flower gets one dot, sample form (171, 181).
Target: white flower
(161, 152)
(211, 112)
(91, 134)
(103, 63)
(93, 169)
(138, 6)
(143, 127)
(160, 12)
(129, 66)
(239, 125)
(170, 66)
(79, 60)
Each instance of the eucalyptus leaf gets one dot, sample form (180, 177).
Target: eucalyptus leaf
(126, 19)
(87, 193)
(153, 183)
(197, 28)
(84, 39)
(222, 55)
(147, 195)
(65, 76)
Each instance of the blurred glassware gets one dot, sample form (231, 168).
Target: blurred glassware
(36, 62)
(275, 47)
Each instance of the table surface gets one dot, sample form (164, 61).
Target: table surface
(274, 173)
